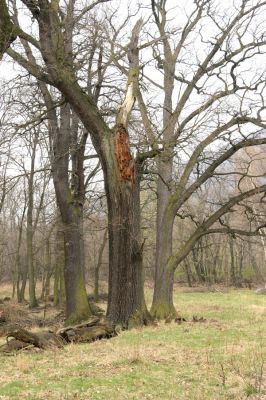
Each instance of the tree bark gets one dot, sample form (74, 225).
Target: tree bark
(126, 298)
(47, 271)
(98, 266)
(59, 279)
(70, 202)
(8, 31)
(30, 231)
(162, 305)
(126, 304)
(18, 273)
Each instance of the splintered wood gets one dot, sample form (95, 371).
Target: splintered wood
(122, 151)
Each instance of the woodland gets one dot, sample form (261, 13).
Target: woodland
(132, 157)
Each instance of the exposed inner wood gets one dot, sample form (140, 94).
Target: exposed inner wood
(122, 151)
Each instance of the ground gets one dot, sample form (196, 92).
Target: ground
(223, 357)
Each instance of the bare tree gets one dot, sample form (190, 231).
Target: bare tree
(206, 102)
(205, 109)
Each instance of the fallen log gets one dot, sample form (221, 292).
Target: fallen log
(14, 345)
(89, 331)
(261, 290)
(2, 317)
(86, 332)
(43, 340)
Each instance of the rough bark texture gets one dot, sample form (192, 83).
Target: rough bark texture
(126, 303)
(70, 202)
(162, 305)
(126, 295)
(7, 29)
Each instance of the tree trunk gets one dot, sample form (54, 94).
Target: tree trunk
(70, 203)
(198, 262)
(126, 303)
(253, 261)
(59, 279)
(126, 298)
(98, 266)
(22, 289)
(162, 305)
(8, 31)
(188, 272)
(18, 273)
(48, 270)
(232, 264)
(31, 271)
(76, 298)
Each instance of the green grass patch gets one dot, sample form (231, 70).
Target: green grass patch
(221, 358)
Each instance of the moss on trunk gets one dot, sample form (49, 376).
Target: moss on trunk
(7, 29)
(161, 309)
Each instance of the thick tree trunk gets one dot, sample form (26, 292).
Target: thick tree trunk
(126, 303)
(77, 306)
(8, 31)
(70, 203)
(162, 305)
(126, 299)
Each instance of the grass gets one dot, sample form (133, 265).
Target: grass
(222, 358)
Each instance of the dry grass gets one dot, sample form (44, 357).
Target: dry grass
(222, 358)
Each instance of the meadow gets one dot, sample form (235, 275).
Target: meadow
(219, 355)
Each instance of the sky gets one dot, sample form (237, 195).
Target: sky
(8, 70)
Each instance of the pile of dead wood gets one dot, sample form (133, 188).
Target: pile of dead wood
(18, 338)
(16, 314)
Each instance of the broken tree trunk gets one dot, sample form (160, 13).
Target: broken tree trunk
(95, 329)
(14, 345)
(43, 340)
(89, 331)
